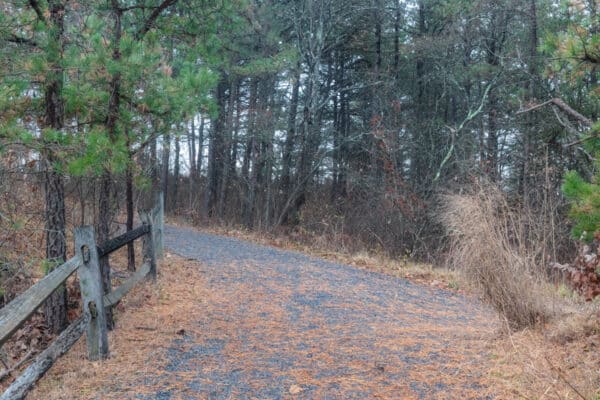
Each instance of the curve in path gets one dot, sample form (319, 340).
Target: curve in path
(287, 325)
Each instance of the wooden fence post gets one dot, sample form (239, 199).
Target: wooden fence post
(158, 218)
(92, 293)
(148, 244)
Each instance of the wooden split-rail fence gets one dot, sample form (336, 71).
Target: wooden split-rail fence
(94, 301)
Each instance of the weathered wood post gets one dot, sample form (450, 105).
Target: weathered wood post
(148, 243)
(92, 293)
(158, 221)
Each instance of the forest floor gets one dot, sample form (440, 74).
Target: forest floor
(231, 319)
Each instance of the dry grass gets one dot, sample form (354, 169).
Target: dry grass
(530, 365)
(554, 353)
(149, 317)
(491, 247)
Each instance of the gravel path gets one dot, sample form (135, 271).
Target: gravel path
(285, 325)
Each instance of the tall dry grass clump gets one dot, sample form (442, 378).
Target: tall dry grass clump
(490, 244)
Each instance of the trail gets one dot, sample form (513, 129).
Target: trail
(285, 325)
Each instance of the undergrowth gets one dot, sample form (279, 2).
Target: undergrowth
(490, 246)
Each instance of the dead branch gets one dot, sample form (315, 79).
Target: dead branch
(564, 378)
(563, 106)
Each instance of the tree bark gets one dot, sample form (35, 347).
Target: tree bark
(200, 155)
(250, 158)
(215, 153)
(176, 177)
(56, 248)
(290, 138)
(166, 155)
(129, 207)
(192, 157)
(227, 148)
(530, 122)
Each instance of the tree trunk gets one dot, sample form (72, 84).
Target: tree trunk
(56, 248)
(192, 158)
(200, 154)
(250, 158)
(419, 170)
(290, 138)
(176, 172)
(166, 155)
(104, 223)
(215, 153)
(129, 207)
(530, 122)
(397, 20)
(227, 149)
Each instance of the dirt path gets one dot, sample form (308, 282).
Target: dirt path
(284, 325)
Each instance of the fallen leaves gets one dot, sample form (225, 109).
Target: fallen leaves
(295, 389)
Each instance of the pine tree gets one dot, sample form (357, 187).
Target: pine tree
(576, 55)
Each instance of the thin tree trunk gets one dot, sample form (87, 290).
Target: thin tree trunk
(250, 155)
(200, 154)
(129, 207)
(192, 158)
(531, 126)
(269, 156)
(154, 178)
(492, 139)
(166, 155)
(227, 145)
(236, 133)
(397, 20)
(290, 139)
(418, 166)
(215, 154)
(176, 172)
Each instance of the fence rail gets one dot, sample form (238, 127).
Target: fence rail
(94, 301)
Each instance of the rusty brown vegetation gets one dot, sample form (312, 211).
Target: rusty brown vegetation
(491, 247)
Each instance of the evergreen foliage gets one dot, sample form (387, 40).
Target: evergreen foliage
(576, 58)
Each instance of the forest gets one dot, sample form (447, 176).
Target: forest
(450, 132)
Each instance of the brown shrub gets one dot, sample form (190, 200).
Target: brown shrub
(490, 244)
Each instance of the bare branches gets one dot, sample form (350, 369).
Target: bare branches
(470, 116)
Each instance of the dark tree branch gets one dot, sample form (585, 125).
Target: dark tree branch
(153, 17)
(21, 40)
